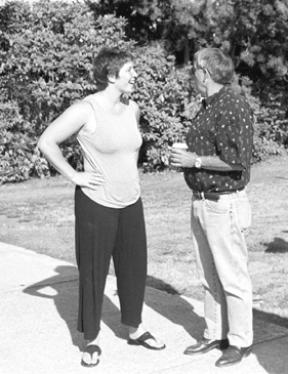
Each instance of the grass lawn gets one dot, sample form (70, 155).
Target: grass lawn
(38, 215)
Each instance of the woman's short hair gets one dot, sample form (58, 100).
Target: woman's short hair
(219, 66)
(108, 62)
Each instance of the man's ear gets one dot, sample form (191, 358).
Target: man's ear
(204, 80)
(206, 75)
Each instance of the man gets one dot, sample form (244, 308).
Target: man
(217, 169)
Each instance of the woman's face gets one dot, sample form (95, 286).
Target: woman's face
(126, 78)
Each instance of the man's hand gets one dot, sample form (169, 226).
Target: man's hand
(182, 159)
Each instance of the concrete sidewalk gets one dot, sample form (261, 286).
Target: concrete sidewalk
(38, 312)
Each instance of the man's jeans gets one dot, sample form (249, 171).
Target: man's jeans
(218, 237)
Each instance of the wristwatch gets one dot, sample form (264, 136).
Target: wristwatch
(198, 162)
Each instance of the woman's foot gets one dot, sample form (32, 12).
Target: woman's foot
(141, 336)
(91, 353)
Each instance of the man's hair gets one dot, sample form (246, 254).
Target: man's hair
(108, 62)
(219, 66)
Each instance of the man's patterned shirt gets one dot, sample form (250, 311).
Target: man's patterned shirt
(223, 127)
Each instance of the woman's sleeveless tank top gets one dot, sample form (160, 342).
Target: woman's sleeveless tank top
(111, 148)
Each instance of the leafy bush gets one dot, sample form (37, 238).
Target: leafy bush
(269, 128)
(46, 52)
(169, 103)
(162, 93)
(16, 144)
(254, 33)
(271, 133)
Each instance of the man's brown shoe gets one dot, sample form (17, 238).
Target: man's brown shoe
(205, 345)
(233, 355)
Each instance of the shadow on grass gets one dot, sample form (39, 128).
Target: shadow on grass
(277, 246)
(160, 285)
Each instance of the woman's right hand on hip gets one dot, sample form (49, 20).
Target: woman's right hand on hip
(88, 179)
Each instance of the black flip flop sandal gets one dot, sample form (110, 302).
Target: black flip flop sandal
(91, 349)
(142, 340)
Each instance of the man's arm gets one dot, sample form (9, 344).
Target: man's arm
(215, 163)
(184, 159)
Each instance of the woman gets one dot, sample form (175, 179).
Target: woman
(108, 208)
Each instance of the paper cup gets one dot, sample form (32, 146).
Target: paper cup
(182, 146)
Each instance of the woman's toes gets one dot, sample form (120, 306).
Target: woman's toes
(91, 355)
(86, 357)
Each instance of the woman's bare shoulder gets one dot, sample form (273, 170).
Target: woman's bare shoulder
(134, 105)
(83, 107)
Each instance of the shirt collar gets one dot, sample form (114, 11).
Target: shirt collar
(210, 99)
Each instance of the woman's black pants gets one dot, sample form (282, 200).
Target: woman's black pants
(102, 232)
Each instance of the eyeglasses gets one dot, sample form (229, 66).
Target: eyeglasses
(194, 68)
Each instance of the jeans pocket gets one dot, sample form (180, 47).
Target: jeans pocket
(243, 212)
(218, 207)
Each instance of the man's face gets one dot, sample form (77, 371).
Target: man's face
(126, 78)
(199, 78)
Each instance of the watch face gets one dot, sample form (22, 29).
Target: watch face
(198, 163)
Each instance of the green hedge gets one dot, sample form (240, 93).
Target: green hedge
(46, 57)
(46, 54)
(162, 93)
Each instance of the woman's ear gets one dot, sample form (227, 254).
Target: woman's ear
(111, 78)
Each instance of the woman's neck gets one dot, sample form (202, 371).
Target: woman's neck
(110, 97)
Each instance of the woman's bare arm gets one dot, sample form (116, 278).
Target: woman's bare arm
(67, 124)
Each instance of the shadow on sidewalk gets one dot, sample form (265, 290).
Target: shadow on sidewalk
(271, 350)
(62, 288)
(180, 312)
(268, 327)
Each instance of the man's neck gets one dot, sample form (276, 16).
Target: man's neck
(213, 88)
